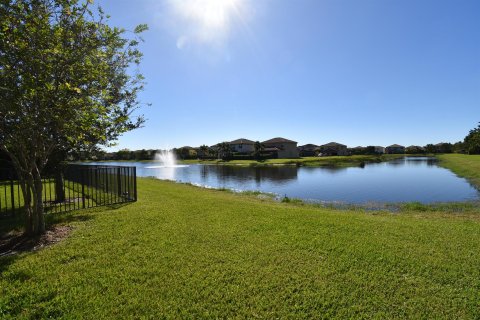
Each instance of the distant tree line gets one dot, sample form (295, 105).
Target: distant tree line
(470, 145)
(219, 151)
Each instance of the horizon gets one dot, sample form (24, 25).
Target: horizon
(353, 72)
(298, 145)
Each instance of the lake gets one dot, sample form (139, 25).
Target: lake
(402, 180)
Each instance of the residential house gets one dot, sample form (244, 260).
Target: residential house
(333, 149)
(379, 149)
(308, 150)
(270, 152)
(395, 149)
(286, 148)
(242, 145)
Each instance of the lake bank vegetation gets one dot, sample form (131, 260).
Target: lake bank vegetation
(467, 166)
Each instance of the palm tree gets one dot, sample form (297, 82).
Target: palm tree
(258, 148)
(224, 150)
(204, 151)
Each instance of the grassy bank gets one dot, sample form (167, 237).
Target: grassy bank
(340, 161)
(186, 252)
(467, 166)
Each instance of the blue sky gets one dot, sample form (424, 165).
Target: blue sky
(358, 72)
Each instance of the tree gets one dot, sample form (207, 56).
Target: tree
(65, 84)
(444, 147)
(204, 151)
(459, 147)
(414, 150)
(430, 148)
(257, 149)
(224, 151)
(472, 141)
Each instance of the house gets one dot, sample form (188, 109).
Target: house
(286, 148)
(333, 149)
(308, 150)
(242, 145)
(395, 149)
(379, 149)
(271, 152)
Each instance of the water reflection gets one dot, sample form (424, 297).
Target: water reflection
(420, 161)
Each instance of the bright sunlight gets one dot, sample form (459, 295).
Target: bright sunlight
(205, 20)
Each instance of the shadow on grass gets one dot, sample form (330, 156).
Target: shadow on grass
(11, 228)
(12, 240)
(117, 206)
(10, 222)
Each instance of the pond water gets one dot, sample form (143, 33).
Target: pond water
(402, 180)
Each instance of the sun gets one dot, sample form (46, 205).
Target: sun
(212, 14)
(206, 21)
(215, 13)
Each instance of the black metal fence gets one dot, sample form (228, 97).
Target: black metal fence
(73, 187)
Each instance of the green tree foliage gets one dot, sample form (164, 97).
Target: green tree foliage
(224, 150)
(65, 84)
(258, 149)
(444, 147)
(430, 148)
(204, 151)
(472, 141)
(459, 147)
(414, 150)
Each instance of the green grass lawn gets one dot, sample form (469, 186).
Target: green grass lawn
(185, 252)
(467, 166)
(306, 161)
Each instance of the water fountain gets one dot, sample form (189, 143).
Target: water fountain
(166, 159)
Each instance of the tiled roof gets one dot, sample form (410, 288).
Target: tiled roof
(309, 146)
(242, 141)
(279, 140)
(334, 144)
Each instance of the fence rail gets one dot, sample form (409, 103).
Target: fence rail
(73, 187)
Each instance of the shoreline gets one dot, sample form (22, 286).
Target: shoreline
(333, 161)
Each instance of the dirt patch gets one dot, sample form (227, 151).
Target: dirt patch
(15, 242)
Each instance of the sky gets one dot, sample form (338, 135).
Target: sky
(357, 72)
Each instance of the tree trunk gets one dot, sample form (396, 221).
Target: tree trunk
(38, 202)
(31, 219)
(32, 188)
(27, 200)
(59, 190)
(30, 180)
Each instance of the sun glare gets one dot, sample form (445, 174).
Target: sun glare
(215, 13)
(206, 21)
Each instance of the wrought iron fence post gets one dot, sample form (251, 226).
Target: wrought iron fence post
(97, 187)
(135, 183)
(12, 195)
(82, 181)
(119, 182)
